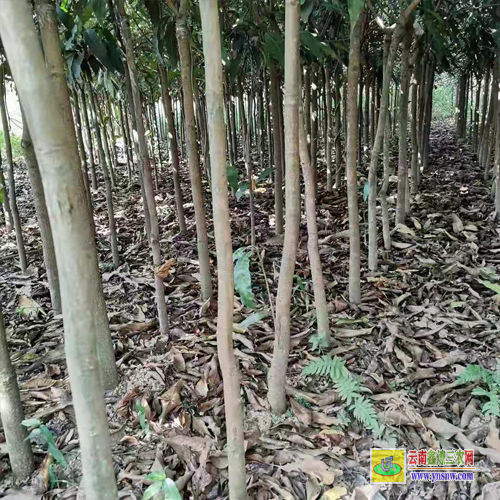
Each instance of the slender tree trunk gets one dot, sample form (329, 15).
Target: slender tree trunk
(277, 371)
(278, 173)
(247, 144)
(47, 21)
(428, 115)
(484, 112)
(403, 129)
(260, 125)
(220, 202)
(351, 152)
(194, 164)
(10, 177)
(314, 122)
(475, 128)
(11, 413)
(414, 120)
(328, 137)
(360, 118)
(386, 226)
(83, 306)
(126, 146)
(96, 112)
(49, 255)
(5, 200)
(86, 123)
(81, 147)
(270, 151)
(145, 167)
(312, 233)
(307, 104)
(338, 129)
(497, 149)
(174, 151)
(366, 121)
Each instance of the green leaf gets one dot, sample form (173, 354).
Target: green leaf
(57, 454)
(355, 9)
(319, 49)
(96, 45)
(100, 8)
(49, 438)
(152, 490)
(171, 491)
(243, 280)
(239, 253)
(232, 177)
(1, 194)
(153, 7)
(492, 286)
(243, 189)
(366, 191)
(274, 47)
(252, 319)
(306, 8)
(31, 422)
(157, 475)
(265, 174)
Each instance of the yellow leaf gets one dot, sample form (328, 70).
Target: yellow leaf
(335, 493)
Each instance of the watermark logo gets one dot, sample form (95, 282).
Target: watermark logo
(393, 466)
(388, 466)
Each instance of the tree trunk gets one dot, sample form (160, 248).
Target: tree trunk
(247, 144)
(11, 413)
(323, 325)
(461, 111)
(338, 129)
(328, 137)
(220, 202)
(277, 371)
(307, 104)
(414, 119)
(83, 306)
(497, 149)
(475, 128)
(174, 151)
(145, 168)
(278, 172)
(484, 112)
(81, 147)
(386, 226)
(126, 144)
(10, 177)
(97, 116)
(314, 121)
(366, 120)
(47, 20)
(88, 132)
(428, 114)
(351, 152)
(5, 201)
(192, 150)
(403, 128)
(49, 255)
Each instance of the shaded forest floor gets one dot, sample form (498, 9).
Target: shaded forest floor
(423, 318)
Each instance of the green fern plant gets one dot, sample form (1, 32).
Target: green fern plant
(349, 388)
(474, 373)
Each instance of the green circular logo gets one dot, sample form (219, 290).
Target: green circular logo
(396, 469)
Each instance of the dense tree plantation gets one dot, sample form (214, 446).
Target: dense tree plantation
(243, 243)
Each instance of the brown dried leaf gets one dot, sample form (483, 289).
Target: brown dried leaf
(171, 399)
(164, 270)
(303, 414)
(122, 407)
(441, 426)
(315, 468)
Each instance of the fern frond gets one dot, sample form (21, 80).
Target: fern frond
(471, 374)
(364, 411)
(319, 366)
(348, 389)
(492, 407)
